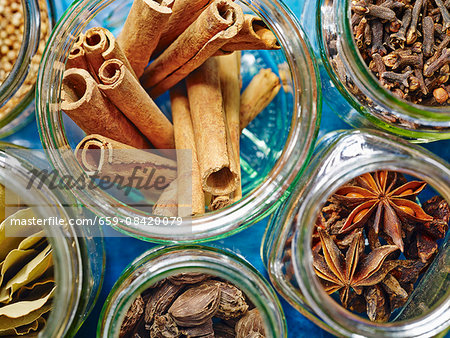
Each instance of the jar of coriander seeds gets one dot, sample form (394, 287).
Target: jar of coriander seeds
(268, 165)
(361, 246)
(159, 291)
(25, 28)
(374, 62)
(52, 254)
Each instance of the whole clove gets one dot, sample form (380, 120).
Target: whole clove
(413, 45)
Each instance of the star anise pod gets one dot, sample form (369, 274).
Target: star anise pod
(377, 193)
(340, 273)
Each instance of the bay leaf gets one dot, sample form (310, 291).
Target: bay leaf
(30, 272)
(14, 261)
(12, 235)
(32, 241)
(25, 312)
(7, 323)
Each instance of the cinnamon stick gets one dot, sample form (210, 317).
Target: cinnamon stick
(184, 12)
(77, 55)
(142, 30)
(167, 204)
(77, 58)
(140, 169)
(254, 35)
(100, 45)
(219, 23)
(191, 199)
(119, 85)
(83, 102)
(229, 73)
(261, 90)
(218, 169)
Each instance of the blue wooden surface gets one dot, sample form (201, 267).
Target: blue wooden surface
(121, 251)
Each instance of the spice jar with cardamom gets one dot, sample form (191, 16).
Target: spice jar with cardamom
(361, 246)
(385, 64)
(25, 27)
(191, 291)
(51, 265)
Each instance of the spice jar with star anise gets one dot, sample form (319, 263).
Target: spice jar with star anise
(385, 63)
(362, 244)
(191, 291)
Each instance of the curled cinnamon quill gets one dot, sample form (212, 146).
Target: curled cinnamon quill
(220, 22)
(101, 45)
(105, 157)
(254, 35)
(167, 204)
(92, 112)
(119, 85)
(261, 90)
(77, 55)
(190, 192)
(184, 12)
(142, 29)
(218, 169)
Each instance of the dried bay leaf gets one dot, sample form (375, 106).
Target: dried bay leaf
(232, 302)
(14, 261)
(164, 327)
(251, 323)
(196, 305)
(23, 313)
(160, 300)
(132, 317)
(32, 241)
(10, 323)
(30, 272)
(12, 235)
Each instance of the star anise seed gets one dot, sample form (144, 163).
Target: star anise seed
(341, 273)
(392, 205)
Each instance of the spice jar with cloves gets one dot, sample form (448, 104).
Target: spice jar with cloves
(191, 291)
(51, 265)
(385, 63)
(361, 246)
(24, 30)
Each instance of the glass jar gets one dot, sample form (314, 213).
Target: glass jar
(352, 91)
(269, 164)
(286, 251)
(17, 88)
(77, 251)
(162, 262)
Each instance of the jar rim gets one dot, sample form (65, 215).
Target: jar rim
(66, 253)
(416, 162)
(262, 200)
(161, 262)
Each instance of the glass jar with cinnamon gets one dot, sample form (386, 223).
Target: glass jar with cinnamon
(103, 93)
(52, 266)
(376, 62)
(361, 246)
(25, 27)
(192, 291)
